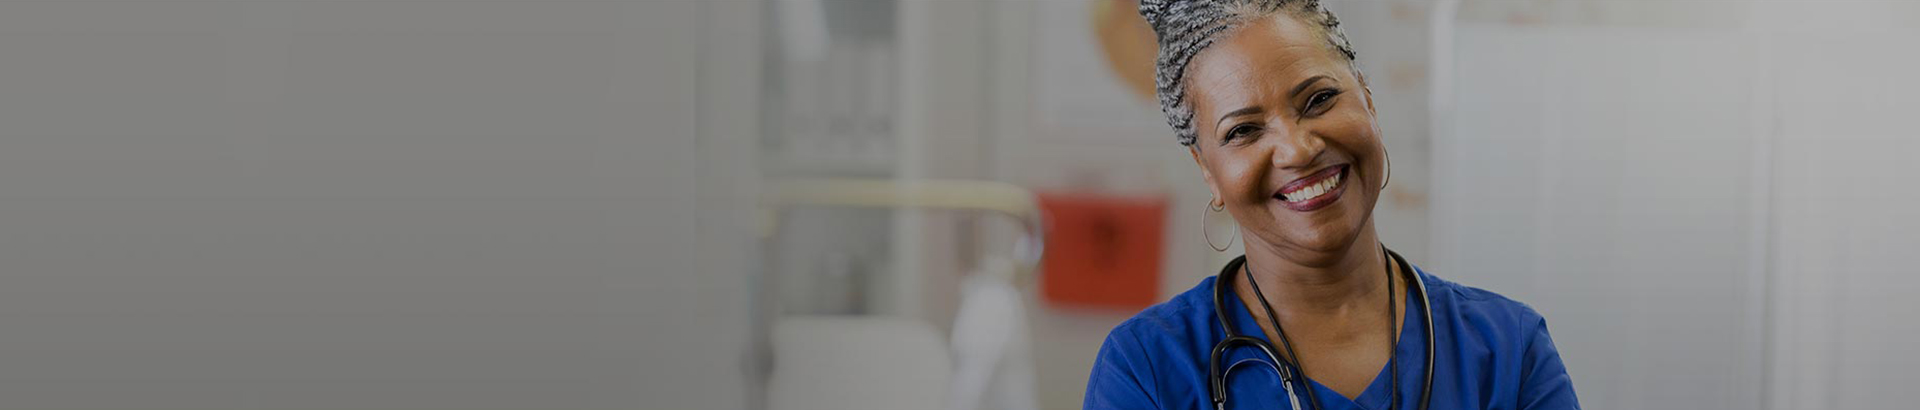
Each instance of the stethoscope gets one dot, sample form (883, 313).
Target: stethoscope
(1217, 375)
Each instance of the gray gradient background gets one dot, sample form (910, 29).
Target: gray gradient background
(359, 205)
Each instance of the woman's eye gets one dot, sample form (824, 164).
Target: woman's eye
(1320, 101)
(1240, 131)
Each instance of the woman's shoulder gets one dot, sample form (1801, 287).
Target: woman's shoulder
(1480, 306)
(1473, 296)
(1178, 315)
(1145, 354)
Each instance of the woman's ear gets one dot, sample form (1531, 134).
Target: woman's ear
(1366, 91)
(1206, 174)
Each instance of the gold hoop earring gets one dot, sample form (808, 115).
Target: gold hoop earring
(1203, 227)
(1389, 157)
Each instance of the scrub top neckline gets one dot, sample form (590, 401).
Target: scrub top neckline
(1411, 360)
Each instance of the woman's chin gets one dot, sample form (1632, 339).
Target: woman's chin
(1328, 233)
(1329, 243)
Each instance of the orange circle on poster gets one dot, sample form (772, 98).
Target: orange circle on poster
(1127, 43)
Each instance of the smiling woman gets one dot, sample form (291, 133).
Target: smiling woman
(1287, 142)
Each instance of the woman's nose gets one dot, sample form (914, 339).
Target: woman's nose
(1297, 149)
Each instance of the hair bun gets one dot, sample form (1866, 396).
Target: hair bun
(1152, 10)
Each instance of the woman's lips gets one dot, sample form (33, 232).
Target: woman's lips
(1315, 191)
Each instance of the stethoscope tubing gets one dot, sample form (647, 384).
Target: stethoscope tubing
(1216, 380)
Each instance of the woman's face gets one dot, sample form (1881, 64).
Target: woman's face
(1286, 138)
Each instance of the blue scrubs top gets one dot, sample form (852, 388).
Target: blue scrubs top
(1494, 353)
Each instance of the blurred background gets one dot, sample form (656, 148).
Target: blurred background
(900, 204)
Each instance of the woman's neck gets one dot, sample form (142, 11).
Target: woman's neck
(1346, 282)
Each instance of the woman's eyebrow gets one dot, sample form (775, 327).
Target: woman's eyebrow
(1243, 111)
(1256, 109)
(1304, 83)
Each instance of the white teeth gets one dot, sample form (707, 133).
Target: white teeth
(1315, 190)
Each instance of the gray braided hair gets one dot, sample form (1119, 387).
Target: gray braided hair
(1184, 27)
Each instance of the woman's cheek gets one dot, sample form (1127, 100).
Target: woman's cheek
(1359, 132)
(1244, 177)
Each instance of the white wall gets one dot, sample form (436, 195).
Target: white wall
(1710, 212)
(1843, 223)
(1604, 176)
